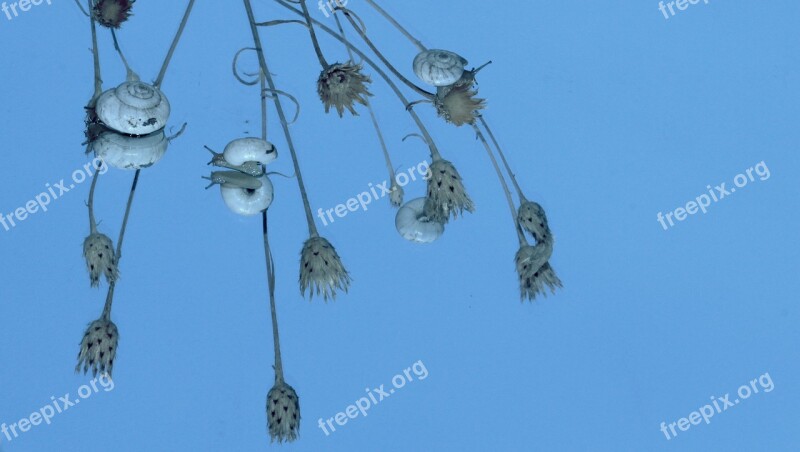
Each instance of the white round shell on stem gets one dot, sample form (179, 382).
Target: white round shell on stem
(439, 67)
(412, 224)
(126, 152)
(245, 201)
(249, 149)
(133, 108)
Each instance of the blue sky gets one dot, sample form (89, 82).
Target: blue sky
(609, 113)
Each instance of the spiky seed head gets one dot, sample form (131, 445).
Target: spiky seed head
(98, 348)
(321, 269)
(112, 13)
(341, 85)
(459, 106)
(283, 413)
(98, 249)
(535, 273)
(446, 193)
(532, 218)
(397, 194)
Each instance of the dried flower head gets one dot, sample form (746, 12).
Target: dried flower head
(321, 269)
(341, 85)
(100, 258)
(396, 196)
(98, 348)
(112, 13)
(283, 413)
(534, 271)
(459, 106)
(532, 218)
(446, 193)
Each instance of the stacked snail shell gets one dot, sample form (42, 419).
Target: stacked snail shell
(133, 116)
(414, 226)
(246, 189)
(455, 99)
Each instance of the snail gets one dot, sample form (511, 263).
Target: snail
(133, 108)
(126, 152)
(242, 193)
(245, 155)
(412, 224)
(439, 67)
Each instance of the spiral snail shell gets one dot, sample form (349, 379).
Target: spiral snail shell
(439, 67)
(249, 149)
(133, 108)
(248, 201)
(126, 152)
(414, 226)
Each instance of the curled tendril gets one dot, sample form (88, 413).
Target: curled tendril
(288, 96)
(416, 135)
(236, 71)
(77, 2)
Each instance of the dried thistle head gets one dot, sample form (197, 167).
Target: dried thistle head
(341, 85)
(112, 13)
(397, 194)
(98, 250)
(98, 348)
(534, 271)
(459, 106)
(446, 193)
(321, 269)
(532, 218)
(283, 413)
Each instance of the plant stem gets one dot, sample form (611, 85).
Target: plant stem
(375, 124)
(130, 76)
(313, 34)
(113, 284)
(397, 25)
(503, 157)
(90, 204)
(520, 235)
(312, 228)
(271, 281)
(383, 58)
(167, 59)
(98, 83)
(435, 155)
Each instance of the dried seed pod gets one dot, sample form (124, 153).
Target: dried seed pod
(98, 250)
(283, 413)
(112, 13)
(98, 348)
(341, 86)
(459, 106)
(321, 269)
(446, 193)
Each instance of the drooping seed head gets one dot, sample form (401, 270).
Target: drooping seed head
(341, 86)
(112, 13)
(321, 269)
(459, 106)
(283, 413)
(532, 218)
(446, 193)
(535, 273)
(98, 348)
(98, 249)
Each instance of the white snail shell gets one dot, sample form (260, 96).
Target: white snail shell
(133, 108)
(439, 67)
(412, 224)
(126, 152)
(250, 149)
(244, 201)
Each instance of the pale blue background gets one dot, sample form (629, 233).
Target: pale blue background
(609, 113)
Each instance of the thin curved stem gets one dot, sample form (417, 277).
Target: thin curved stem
(263, 108)
(383, 58)
(375, 124)
(313, 34)
(397, 25)
(435, 155)
(271, 281)
(503, 158)
(131, 76)
(90, 203)
(78, 2)
(312, 228)
(98, 82)
(171, 51)
(113, 284)
(520, 235)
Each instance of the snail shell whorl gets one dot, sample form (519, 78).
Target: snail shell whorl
(250, 149)
(125, 152)
(439, 67)
(133, 108)
(412, 224)
(244, 201)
